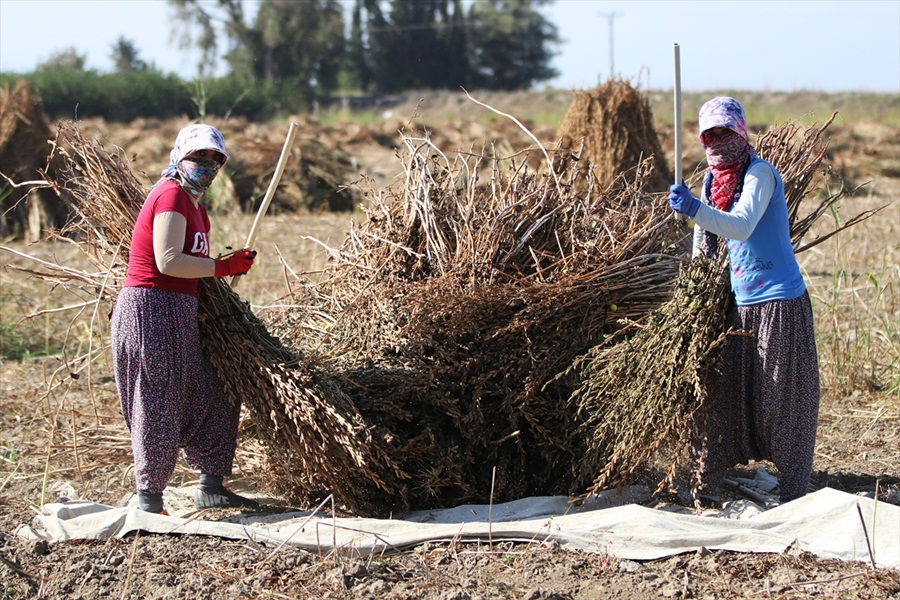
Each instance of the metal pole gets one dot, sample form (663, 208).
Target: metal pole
(678, 175)
(677, 88)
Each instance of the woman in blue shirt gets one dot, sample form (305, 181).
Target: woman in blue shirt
(766, 404)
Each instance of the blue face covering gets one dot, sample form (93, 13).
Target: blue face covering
(198, 173)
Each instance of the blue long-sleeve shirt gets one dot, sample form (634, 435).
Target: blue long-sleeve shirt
(757, 234)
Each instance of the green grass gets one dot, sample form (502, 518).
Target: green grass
(547, 108)
(766, 109)
(22, 338)
(9, 459)
(857, 311)
(21, 343)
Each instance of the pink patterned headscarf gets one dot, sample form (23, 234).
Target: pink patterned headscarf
(723, 111)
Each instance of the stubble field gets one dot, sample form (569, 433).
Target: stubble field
(61, 433)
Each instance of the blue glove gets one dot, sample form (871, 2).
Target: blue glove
(681, 200)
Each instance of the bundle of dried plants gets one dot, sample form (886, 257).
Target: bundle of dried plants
(469, 293)
(641, 391)
(610, 129)
(25, 209)
(314, 433)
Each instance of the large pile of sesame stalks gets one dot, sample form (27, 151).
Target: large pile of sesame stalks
(642, 392)
(461, 301)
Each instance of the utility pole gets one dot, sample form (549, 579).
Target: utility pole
(610, 17)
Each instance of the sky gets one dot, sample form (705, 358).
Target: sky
(761, 45)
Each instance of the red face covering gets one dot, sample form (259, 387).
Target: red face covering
(727, 156)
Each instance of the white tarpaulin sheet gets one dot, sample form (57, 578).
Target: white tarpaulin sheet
(828, 523)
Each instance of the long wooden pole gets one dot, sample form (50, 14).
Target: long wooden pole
(270, 193)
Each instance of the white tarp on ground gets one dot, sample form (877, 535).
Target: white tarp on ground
(828, 523)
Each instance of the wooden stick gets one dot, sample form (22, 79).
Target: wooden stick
(866, 533)
(270, 193)
(874, 510)
(491, 512)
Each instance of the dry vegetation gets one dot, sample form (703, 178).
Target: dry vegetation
(452, 296)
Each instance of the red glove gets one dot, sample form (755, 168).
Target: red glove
(236, 264)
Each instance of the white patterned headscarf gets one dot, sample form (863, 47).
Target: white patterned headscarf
(190, 139)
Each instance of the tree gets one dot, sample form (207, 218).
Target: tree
(204, 15)
(67, 59)
(509, 44)
(299, 45)
(376, 43)
(296, 44)
(500, 44)
(413, 43)
(359, 70)
(300, 41)
(456, 41)
(421, 44)
(125, 56)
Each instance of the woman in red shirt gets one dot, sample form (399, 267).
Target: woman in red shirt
(171, 397)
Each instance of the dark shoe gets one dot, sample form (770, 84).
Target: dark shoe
(707, 500)
(150, 502)
(224, 498)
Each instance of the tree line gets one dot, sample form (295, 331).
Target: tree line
(293, 53)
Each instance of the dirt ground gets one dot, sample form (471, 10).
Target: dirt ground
(63, 436)
(858, 449)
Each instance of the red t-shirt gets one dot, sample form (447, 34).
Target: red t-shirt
(142, 270)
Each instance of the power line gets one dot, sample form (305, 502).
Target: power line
(610, 17)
